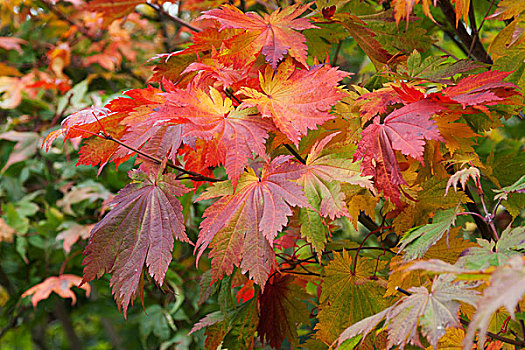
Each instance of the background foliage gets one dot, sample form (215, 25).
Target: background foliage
(409, 234)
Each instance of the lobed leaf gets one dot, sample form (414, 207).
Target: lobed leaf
(286, 96)
(139, 230)
(273, 35)
(250, 218)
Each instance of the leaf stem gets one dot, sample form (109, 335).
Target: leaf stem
(175, 19)
(363, 242)
(65, 18)
(195, 176)
(64, 264)
(295, 153)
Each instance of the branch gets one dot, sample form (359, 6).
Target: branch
(483, 228)
(194, 176)
(175, 19)
(12, 322)
(472, 19)
(367, 222)
(295, 154)
(478, 51)
(63, 315)
(65, 18)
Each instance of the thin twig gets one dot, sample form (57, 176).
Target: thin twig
(65, 18)
(196, 176)
(446, 52)
(473, 214)
(175, 19)
(478, 51)
(295, 154)
(473, 24)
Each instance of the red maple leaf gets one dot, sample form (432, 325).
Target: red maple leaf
(242, 225)
(282, 310)
(487, 88)
(404, 130)
(237, 133)
(288, 97)
(113, 9)
(140, 230)
(274, 35)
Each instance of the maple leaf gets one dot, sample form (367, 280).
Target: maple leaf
(365, 38)
(288, 98)
(403, 8)
(483, 88)
(508, 9)
(12, 43)
(207, 321)
(139, 230)
(72, 234)
(273, 35)
(347, 296)
(404, 130)
(113, 9)
(451, 340)
(429, 200)
(462, 177)
(26, 146)
(325, 170)
(417, 241)
(434, 311)
(448, 249)
(507, 287)
(59, 284)
(242, 225)
(237, 133)
(281, 311)
(516, 187)
(511, 243)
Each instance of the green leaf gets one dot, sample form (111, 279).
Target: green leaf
(518, 186)
(417, 241)
(511, 243)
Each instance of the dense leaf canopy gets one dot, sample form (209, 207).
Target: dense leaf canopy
(318, 175)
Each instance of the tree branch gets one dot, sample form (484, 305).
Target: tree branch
(175, 19)
(478, 51)
(65, 18)
(483, 228)
(62, 314)
(295, 153)
(194, 176)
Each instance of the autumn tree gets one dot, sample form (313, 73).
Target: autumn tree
(336, 174)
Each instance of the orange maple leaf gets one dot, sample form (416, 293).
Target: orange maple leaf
(296, 100)
(274, 35)
(59, 284)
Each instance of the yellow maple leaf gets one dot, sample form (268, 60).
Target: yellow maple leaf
(348, 296)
